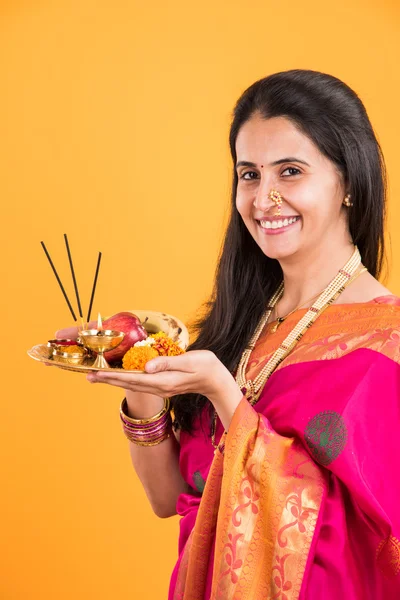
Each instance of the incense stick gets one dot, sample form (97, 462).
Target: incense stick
(94, 287)
(73, 275)
(59, 281)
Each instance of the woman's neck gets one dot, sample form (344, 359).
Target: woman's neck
(306, 277)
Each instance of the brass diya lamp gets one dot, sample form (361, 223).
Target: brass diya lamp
(100, 341)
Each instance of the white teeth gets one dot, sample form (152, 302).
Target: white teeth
(277, 224)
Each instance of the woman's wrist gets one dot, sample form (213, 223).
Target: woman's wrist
(142, 406)
(149, 431)
(226, 400)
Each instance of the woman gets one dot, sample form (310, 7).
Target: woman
(287, 403)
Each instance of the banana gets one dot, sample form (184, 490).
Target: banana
(154, 321)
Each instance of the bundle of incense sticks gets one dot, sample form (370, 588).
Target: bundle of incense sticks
(75, 282)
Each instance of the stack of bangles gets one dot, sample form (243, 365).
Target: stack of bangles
(150, 431)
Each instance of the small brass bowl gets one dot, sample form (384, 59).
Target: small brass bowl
(69, 358)
(60, 343)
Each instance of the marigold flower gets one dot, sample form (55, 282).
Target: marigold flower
(137, 356)
(165, 346)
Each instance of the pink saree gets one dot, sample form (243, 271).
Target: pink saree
(302, 502)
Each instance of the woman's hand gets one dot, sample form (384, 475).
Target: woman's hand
(71, 333)
(196, 371)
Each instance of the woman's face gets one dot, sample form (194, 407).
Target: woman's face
(276, 155)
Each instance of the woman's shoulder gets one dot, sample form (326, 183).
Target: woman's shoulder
(389, 298)
(366, 288)
(347, 328)
(379, 313)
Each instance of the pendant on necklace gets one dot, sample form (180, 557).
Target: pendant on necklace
(248, 390)
(279, 320)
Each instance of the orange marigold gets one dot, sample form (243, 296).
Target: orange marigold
(137, 357)
(165, 346)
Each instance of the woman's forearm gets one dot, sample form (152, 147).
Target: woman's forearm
(156, 466)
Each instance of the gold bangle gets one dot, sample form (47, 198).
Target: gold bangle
(165, 409)
(147, 443)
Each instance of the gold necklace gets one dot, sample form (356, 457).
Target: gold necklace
(279, 320)
(252, 389)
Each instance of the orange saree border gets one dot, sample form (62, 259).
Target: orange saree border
(271, 497)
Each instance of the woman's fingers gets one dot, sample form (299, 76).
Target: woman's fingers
(133, 388)
(159, 383)
(71, 333)
(183, 363)
(126, 384)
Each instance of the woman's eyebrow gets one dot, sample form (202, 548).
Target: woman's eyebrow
(246, 163)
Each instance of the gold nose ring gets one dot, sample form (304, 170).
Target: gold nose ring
(276, 197)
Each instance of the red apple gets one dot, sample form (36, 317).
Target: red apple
(134, 332)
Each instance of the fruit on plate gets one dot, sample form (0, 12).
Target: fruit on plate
(134, 332)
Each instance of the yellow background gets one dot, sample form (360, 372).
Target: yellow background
(114, 119)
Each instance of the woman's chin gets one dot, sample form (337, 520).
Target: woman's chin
(279, 244)
(279, 252)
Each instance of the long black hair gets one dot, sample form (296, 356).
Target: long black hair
(331, 114)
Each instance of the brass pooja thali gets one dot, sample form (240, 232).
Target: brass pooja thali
(152, 321)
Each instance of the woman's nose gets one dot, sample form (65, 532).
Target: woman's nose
(262, 200)
(262, 203)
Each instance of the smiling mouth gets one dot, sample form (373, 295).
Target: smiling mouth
(278, 223)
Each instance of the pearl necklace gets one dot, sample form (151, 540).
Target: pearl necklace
(252, 389)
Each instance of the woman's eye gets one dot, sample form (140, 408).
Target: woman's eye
(297, 171)
(243, 175)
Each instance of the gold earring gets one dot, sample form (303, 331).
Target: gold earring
(346, 201)
(276, 197)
